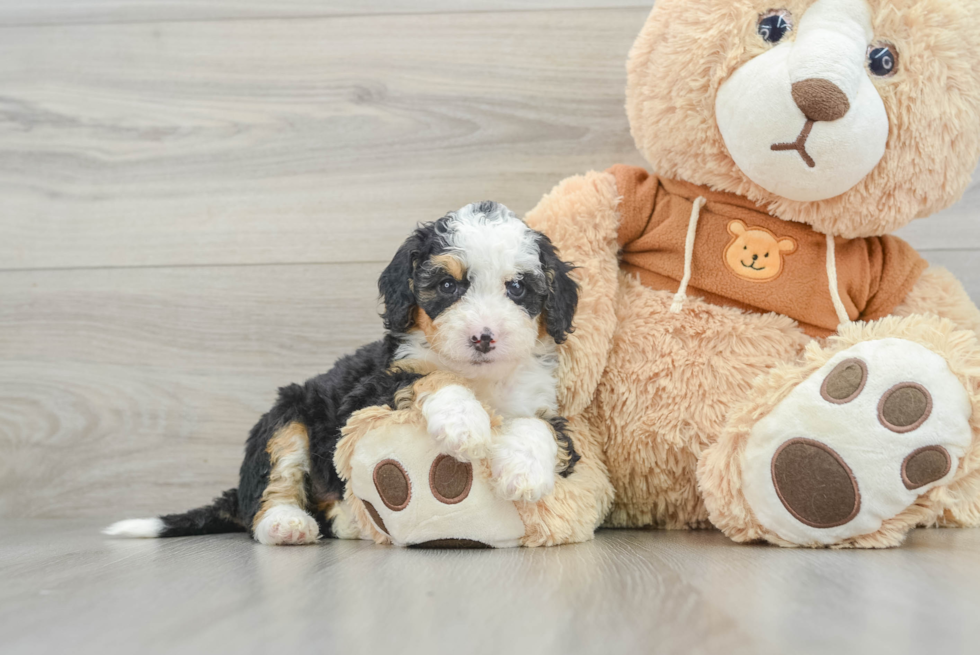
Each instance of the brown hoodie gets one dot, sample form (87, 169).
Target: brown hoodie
(745, 258)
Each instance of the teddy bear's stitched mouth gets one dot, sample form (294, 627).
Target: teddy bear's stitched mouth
(752, 266)
(799, 145)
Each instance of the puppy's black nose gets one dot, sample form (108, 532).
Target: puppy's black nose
(484, 342)
(755, 257)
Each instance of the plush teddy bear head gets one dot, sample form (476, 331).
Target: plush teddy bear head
(853, 116)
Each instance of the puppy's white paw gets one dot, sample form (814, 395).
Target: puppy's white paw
(457, 420)
(523, 460)
(287, 525)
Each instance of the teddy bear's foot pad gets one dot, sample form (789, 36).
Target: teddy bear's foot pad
(418, 495)
(856, 443)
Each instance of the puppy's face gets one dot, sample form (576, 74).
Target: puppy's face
(481, 286)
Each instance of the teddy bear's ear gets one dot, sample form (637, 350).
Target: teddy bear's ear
(736, 228)
(787, 246)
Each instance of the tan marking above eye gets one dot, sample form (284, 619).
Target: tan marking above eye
(451, 265)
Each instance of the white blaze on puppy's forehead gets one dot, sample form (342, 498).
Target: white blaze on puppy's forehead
(492, 242)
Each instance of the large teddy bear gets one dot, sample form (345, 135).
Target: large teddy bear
(752, 349)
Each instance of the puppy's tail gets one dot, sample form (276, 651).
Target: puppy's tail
(216, 518)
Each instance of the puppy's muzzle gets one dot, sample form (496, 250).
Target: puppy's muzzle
(483, 343)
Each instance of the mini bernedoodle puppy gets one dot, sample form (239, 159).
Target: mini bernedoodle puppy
(476, 293)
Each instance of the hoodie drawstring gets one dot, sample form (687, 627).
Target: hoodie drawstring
(692, 230)
(842, 316)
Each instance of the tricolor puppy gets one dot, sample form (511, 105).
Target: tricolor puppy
(476, 293)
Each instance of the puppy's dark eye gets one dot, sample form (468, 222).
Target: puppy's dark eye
(883, 59)
(774, 25)
(516, 289)
(448, 287)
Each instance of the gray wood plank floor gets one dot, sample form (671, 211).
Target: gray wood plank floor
(67, 589)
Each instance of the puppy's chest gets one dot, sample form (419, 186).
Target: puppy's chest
(519, 396)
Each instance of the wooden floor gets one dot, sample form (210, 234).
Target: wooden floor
(66, 589)
(196, 198)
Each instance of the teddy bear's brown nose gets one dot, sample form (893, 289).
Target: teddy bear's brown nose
(820, 100)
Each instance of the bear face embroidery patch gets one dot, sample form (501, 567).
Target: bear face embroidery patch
(755, 253)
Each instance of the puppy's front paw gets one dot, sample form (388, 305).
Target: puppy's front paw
(286, 525)
(458, 421)
(523, 461)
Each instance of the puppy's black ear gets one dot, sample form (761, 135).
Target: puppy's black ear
(395, 283)
(562, 300)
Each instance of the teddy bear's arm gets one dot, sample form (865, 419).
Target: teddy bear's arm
(939, 292)
(580, 216)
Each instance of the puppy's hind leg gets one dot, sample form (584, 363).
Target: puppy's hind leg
(282, 518)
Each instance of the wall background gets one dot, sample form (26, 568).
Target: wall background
(197, 196)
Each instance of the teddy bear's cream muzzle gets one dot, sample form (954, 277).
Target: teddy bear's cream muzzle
(804, 120)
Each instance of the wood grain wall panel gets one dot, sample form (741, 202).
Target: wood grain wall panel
(316, 140)
(60, 12)
(134, 390)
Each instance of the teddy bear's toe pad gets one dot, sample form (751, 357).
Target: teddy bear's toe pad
(420, 496)
(856, 443)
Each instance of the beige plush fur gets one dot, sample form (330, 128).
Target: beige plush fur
(689, 48)
(653, 428)
(671, 396)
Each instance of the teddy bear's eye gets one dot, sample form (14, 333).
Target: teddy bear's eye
(774, 25)
(882, 59)
(767, 254)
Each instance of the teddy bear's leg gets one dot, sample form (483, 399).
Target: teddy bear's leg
(404, 489)
(870, 436)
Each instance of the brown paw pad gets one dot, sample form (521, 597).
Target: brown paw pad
(373, 513)
(845, 382)
(905, 407)
(450, 479)
(393, 485)
(814, 484)
(450, 544)
(925, 465)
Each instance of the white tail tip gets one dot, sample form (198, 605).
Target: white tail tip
(136, 529)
